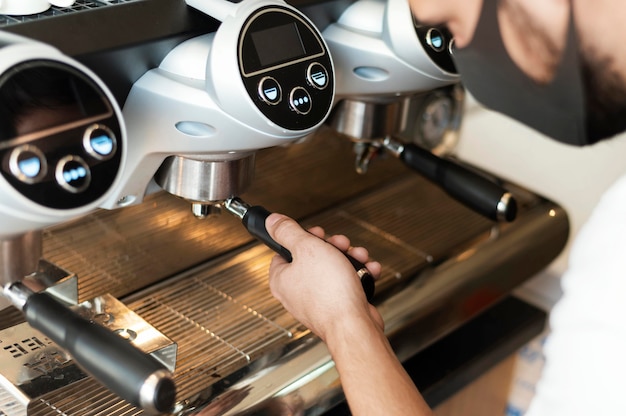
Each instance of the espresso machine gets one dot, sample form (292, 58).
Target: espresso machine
(210, 93)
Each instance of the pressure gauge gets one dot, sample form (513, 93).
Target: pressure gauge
(435, 120)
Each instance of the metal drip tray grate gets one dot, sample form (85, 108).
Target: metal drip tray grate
(203, 284)
(78, 6)
(222, 315)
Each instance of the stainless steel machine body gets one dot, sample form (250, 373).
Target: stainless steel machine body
(203, 284)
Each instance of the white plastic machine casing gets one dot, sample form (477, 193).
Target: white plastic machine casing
(377, 52)
(196, 104)
(19, 214)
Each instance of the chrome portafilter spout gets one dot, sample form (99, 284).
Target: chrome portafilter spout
(366, 122)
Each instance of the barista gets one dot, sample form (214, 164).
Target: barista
(558, 66)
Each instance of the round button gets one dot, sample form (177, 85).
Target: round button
(99, 141)
(300, 101)
(73, 174)
(435, 39)
(269, 91)
(28, 164)
(317, 76)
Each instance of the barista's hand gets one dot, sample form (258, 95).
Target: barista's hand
(320, 287)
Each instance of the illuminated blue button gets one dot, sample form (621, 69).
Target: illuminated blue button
(73, 174)
(99, 141)
(437, 42)
(28, 164)
(269, 91)
(435, 39)
(317, 76)
(30, 167)
(102, 145)
(300, 101)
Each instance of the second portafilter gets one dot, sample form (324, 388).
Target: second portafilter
(435, 116)
(394, 71)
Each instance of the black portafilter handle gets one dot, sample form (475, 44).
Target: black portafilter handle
(130, 373)
(253, 218)
(470, 188)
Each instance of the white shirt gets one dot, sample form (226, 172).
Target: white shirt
(585, 369)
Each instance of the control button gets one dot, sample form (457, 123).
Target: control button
(99, 141)
(317, 76)
(300, 101)
(73, 174)
(28, 164)
(270, 91)
(435, 39)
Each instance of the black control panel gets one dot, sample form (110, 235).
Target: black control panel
(60, 139)
(286, 68)
(437, 41)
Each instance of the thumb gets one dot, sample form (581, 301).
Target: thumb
(284, 230)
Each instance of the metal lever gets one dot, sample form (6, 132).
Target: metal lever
(475, 191)
(134, 376)
(253, 218)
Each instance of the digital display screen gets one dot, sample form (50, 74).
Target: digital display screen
(278, 44)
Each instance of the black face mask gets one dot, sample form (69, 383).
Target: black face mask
(566, 109)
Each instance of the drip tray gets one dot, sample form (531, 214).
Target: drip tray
(204, 284)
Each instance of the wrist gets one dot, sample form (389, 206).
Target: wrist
(345, 332)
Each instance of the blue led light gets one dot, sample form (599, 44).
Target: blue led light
(102, 144)
(30, 167)
(319, 78)
(74, 174)
(437, 42)
(271, 93)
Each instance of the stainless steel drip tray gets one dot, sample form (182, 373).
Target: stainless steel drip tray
(239, 351)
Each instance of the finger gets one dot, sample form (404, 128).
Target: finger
(340, 241)
(277, 263)
(359, 253)
(317, 231)
(375, 268)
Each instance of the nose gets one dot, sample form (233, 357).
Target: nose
(431, 12)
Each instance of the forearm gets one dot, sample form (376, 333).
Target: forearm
(373, 380)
